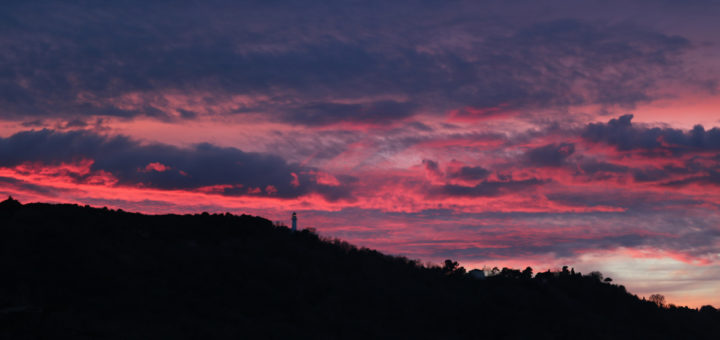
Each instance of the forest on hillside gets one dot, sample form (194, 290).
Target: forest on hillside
(79, 272)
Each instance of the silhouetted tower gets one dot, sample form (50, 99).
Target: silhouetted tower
(294, 220)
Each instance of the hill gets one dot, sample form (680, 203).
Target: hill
(86, 273)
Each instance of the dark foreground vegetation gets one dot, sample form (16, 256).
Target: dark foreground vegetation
(77, 272)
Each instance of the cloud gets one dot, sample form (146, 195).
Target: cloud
(469, 173)
(229, 170)
(374, 113)
(712, 177)
(551, 155)
(315, 65)
(624, 136)
(593, 167)
(523, 236)
(453, 173)
(622, 198)
(486, 188)
(11, 185)
(680, 157)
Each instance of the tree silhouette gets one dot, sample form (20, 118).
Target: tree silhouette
(657, 299)
(527, 273)
(596, 275)
(451, 267)
(708, 309)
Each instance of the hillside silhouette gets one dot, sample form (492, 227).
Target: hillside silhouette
(73, 272)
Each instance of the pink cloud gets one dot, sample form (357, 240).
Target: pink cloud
(156, 166)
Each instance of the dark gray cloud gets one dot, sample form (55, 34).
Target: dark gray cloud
(683, 156)
(622, 134)
(464, 173)
(169, 167)
(551, 155)
(487, 188)
(634, 201)
(432, 169)
(81, 58)
(711, 177)
(670, 172)
(432, 166)
(368, 113)
(593, 167)
(469, 173)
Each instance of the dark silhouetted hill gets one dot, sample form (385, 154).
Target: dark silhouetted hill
(72, 272)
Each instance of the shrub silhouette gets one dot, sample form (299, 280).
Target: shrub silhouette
(657, 299)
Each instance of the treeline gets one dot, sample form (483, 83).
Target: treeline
(86, 273)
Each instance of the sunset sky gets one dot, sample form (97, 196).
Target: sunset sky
(496, 133)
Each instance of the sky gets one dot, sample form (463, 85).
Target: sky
(495, 133)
